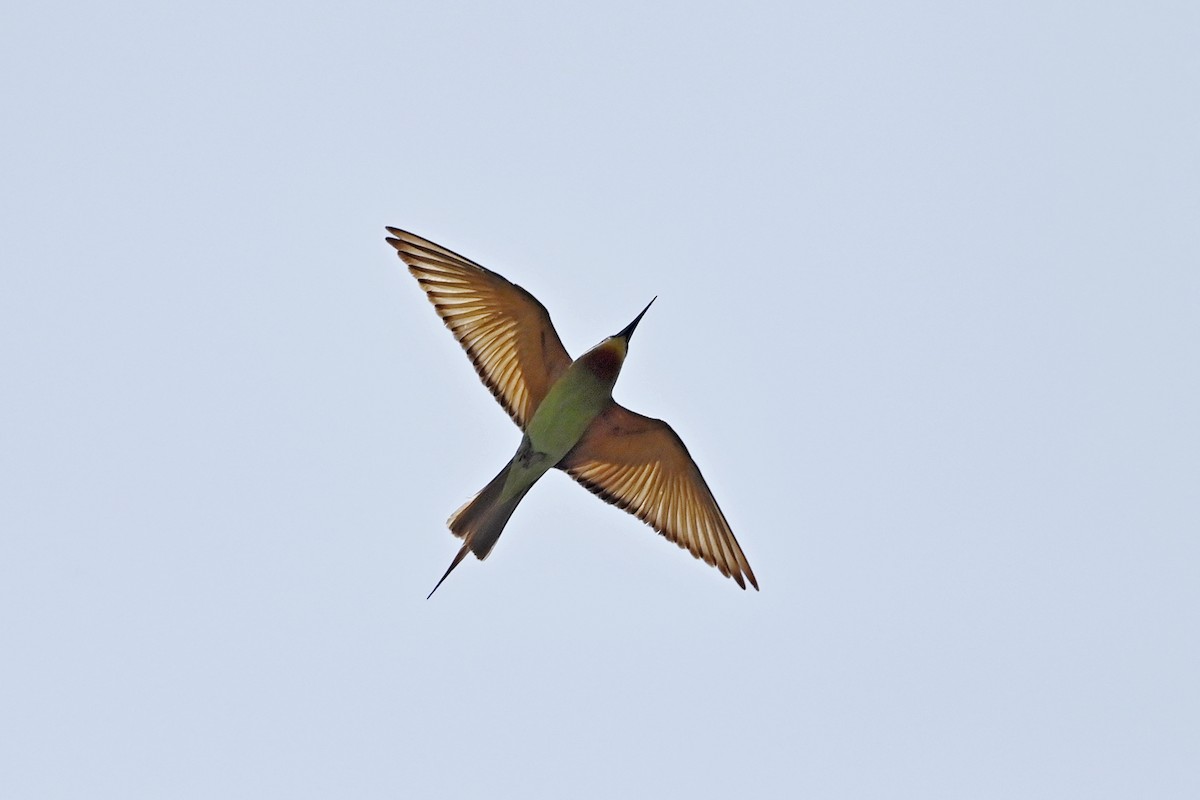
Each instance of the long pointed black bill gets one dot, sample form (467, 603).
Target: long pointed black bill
(627, 333)
(466, 548)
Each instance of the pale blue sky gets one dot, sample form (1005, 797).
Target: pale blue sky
(928, 280)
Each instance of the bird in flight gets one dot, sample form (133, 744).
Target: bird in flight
(566, 411)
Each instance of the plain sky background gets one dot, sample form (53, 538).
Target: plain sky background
(928, 280)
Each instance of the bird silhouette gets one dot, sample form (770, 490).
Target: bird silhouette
(566, 412)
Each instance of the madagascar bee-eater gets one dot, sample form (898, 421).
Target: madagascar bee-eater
(567, 413)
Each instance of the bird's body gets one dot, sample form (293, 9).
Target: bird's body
(566, 410)
(575, 399)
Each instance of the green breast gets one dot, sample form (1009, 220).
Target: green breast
(569, 407)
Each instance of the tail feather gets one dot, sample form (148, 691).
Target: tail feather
(481, 520)
(458, 558)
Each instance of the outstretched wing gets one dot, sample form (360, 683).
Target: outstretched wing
(506, 332)
(641, 465)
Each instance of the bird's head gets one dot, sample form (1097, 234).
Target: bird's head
(606, 358)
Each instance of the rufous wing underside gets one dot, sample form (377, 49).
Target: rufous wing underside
(506, 332)
(641, 465)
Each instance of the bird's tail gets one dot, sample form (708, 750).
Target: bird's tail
(481, 520)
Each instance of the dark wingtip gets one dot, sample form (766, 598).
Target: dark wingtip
(394, 239)
(750, 577)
